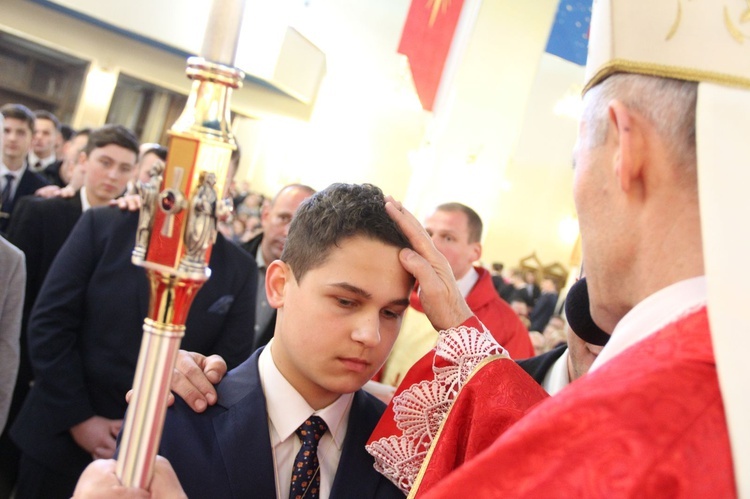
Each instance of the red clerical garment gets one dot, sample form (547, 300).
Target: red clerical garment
(406, 430)
(648, 423)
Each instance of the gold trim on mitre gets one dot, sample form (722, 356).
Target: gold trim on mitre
(701, 41)
(664, 71)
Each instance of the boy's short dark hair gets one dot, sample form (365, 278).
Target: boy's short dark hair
(338, 212)
(112, 134)
(41, 114)
(18, 112)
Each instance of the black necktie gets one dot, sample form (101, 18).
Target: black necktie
(306, 471)
(5, 197)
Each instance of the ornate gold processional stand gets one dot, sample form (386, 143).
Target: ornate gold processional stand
(176, 231)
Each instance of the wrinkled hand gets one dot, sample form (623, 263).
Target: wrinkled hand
(439, 293)
(194, 377)
(100, 481)
(97, 436)
(128, 202)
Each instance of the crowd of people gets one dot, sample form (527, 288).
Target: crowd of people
(344, 348)
(66, 288)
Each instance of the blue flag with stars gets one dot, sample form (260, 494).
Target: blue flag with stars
(569, 37)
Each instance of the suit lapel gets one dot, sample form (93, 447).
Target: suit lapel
(242, 433)
(77, 206)
(356, 475)
(24, 188)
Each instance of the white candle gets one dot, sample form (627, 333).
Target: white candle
(223, 31)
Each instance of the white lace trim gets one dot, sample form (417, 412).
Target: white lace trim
(420, 409)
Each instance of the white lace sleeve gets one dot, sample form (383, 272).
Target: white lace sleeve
(420, 409)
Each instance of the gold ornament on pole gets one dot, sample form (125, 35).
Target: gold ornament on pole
(176, 231)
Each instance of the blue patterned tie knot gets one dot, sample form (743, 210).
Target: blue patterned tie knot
(306, 473)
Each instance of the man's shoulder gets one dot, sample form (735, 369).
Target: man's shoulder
(240, 383)
(537, 366)
(251, 247)
(232, 249)
(9, 252)
(107, 227)
(53, 167)
(368, 405)
(34, 179)
(52, 205)
(108, 215)
(229, 259)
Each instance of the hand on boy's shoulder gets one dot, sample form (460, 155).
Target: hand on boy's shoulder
(128, 202)
(193, 379)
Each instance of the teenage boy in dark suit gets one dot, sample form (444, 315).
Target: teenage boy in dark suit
(340, 291)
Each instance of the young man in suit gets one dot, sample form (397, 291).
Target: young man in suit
(46, 131)
(84, 335)
(46, 155)
(16, 179)
(40, 227)
(340, 291)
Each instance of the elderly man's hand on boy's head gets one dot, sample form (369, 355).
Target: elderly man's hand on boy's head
(439, 293)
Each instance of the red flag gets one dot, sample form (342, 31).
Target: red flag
(426, 40)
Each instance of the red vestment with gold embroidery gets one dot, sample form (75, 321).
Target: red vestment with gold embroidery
(648, 423)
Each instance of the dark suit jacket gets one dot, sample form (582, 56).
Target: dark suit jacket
(537, 367)
(266, 334)
(85, 330)
(27, 186)
(529, 297)
(39, 228)
(543, 311)
(52, 173)
(226, 451)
